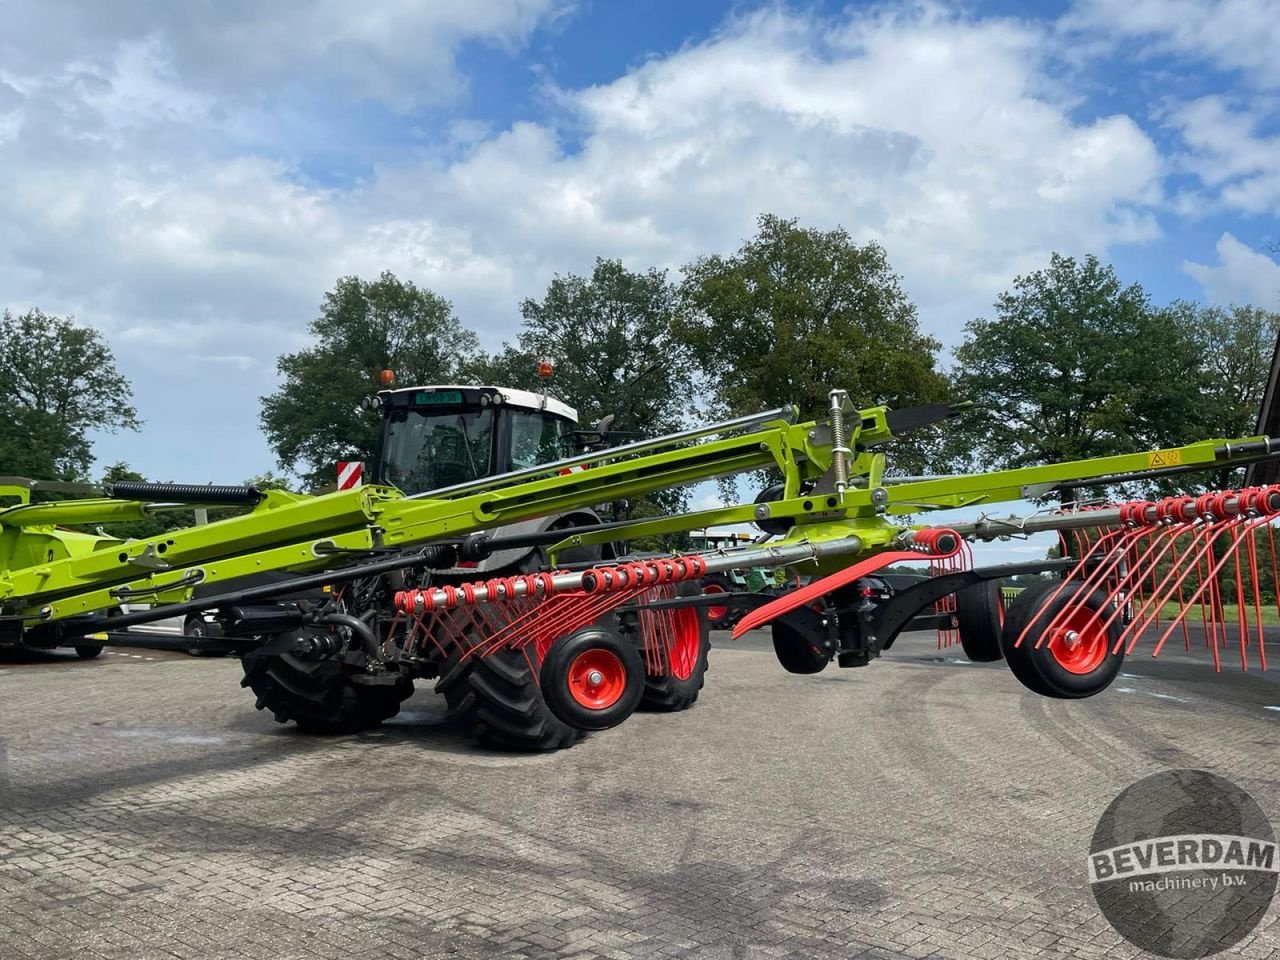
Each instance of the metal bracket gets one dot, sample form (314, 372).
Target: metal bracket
(150, 559)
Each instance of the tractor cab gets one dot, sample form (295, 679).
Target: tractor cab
(439, 436)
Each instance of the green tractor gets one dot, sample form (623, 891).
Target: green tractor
(439, 441)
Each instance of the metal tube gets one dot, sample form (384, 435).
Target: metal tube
(585, 580)
(787, 413)
(990, 528)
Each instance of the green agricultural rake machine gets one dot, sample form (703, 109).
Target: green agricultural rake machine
(384, 588)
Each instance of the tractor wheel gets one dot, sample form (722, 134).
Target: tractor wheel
(319, 695)
(719, 616)
(593, 678)
(1063, 666)
(979, 618)
(678, 688)
(496, 698)
(497, 701)
(795, 652)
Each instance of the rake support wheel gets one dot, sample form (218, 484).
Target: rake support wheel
(980, 619)
(593, 678)
(678, 687)
(1073, 659)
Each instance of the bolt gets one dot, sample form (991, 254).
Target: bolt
(595, 678)
(762, 511)
(1072, 638)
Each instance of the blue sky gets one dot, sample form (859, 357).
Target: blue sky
(191, 178)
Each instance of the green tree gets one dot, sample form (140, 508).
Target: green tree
(797, 312)
(58, 383)
(611, 336)
(1075, 364)
(1234, 347)
(364, 327)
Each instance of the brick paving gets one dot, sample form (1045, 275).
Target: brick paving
(922, 807)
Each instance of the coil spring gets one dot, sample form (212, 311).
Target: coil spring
(183, 492)
(839, 451)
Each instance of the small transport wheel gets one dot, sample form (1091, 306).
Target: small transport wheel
(592, 679)
(719, 615)
(195, 628)
(88, 651)
(979, 618)
(690, 638)
(795, 651)
(1075, 659)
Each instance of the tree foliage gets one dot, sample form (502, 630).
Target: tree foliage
(796, 312)
(1074, 364)
(314, 419)
(613, 341)
(58, 384)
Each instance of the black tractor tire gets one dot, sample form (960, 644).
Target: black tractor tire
(715, 584)
(668, 693)
(617, 664)
(497, 699)
(794, 650)
(319, 695)
(980, 620)
(1052, 670)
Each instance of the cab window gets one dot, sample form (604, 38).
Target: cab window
(427, 451)
(537, 438)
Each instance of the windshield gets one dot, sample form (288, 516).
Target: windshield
(537, 438)
(429, 450)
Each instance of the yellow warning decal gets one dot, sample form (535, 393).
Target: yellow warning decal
(1164, 458)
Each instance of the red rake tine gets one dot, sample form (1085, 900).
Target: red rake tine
(1242, 528)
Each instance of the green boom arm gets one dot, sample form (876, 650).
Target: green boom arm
(313, 533)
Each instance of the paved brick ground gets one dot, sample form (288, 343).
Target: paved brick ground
(920, 808)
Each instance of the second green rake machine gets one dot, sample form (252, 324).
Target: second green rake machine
(577, 638)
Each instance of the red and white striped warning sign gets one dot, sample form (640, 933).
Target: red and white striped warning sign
(350, 474)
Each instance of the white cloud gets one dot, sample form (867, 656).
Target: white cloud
(397, 51)
(1237, 166)
(928, 133)
(1239, 35)
(1242, 275)
(136, 204)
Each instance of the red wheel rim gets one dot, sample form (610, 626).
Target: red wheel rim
(686, 642)
(1079, 645)
(717, 612)
(597, 678)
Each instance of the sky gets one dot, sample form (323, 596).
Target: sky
(190, 178)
